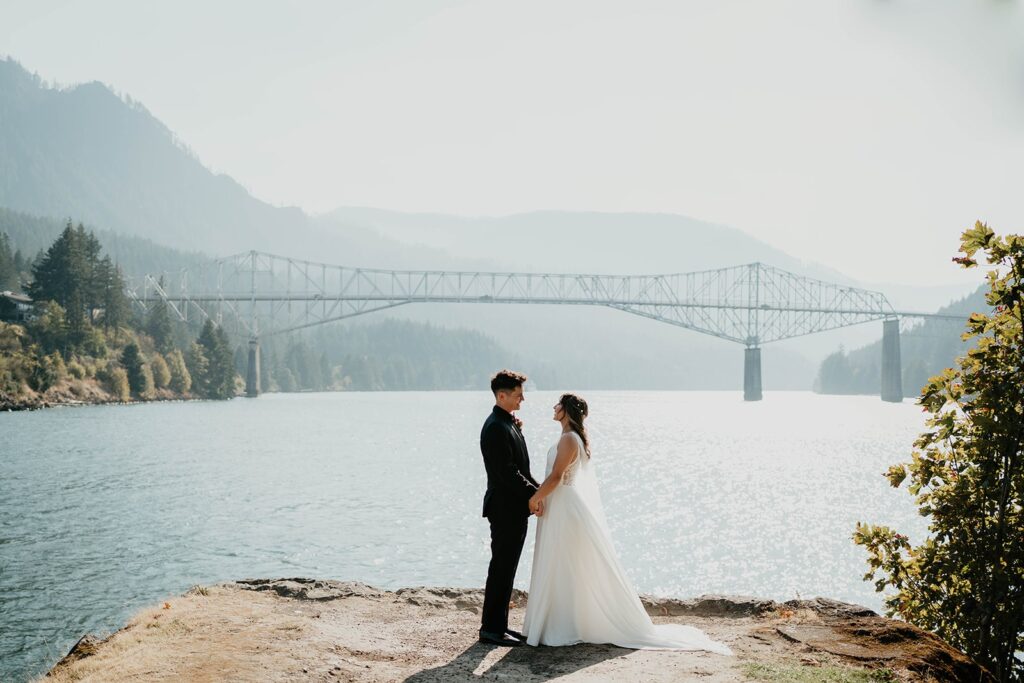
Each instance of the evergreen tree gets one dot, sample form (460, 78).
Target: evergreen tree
(113, 297)
(78, 324)
(21, 266)
(198, 368)
(220, 381)
(91, 287)
(158, 324)
(59, 274)
(72, 274)
(9, 275)
(134, 365)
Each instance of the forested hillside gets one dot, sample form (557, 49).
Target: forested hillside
(393, 355)
(29, 235)
(926, 349)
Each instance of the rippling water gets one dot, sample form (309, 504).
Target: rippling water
(106, 509)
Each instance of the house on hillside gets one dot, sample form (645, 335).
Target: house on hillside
(14, 307)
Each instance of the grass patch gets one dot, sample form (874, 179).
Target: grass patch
(816, 674)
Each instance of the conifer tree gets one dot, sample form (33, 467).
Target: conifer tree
(8, 266)
(198, 368)
(114, 300)
(134, 365)
(158, 324)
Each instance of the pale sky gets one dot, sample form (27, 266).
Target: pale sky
(863, 134)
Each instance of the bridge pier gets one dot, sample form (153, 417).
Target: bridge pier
(752, 373)
(252, 376)
(892, 372)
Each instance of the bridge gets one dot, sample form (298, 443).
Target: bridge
(260, 295)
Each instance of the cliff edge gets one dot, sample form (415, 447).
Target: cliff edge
(313, 630)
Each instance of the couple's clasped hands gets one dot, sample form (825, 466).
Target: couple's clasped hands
(536, 506)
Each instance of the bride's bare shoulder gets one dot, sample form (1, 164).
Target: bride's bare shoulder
(567, 442)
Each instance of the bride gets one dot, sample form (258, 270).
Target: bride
(579, 592)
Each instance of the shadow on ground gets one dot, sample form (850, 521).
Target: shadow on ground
(519, 663)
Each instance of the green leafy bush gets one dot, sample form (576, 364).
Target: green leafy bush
(966, 581)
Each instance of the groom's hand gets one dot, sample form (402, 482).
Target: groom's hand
(537, 506)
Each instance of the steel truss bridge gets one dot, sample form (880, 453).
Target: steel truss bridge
(256, 295)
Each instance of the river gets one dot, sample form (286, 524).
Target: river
(106, 509)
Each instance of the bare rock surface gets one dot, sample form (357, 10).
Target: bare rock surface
(298, 629)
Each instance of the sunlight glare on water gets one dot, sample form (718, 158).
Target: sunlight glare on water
(106, 509)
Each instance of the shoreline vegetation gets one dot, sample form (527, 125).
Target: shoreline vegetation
(308, 629)
(68, 336)
(80, 342)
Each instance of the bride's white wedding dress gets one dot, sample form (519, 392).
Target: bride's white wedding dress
(579, 592)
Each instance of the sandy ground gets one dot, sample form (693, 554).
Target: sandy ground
(306, 630)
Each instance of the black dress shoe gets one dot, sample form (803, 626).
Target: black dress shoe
(515, 634)
(498, 639)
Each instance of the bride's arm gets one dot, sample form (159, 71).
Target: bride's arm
(568, 450)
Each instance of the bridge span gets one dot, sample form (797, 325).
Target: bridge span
(260, 294)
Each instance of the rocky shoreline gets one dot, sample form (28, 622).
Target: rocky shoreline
(301, 629)
(77, 393)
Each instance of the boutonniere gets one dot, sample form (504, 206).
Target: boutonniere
(517, 422)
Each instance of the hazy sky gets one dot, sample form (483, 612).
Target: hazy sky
(864, 134)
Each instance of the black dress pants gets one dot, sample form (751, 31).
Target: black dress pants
(508, 533)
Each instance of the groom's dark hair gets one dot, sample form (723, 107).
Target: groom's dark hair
(507, 380)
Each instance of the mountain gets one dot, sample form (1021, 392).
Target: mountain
(581, 242)
(86, 153)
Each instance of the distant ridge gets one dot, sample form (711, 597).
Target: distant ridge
(85, 152)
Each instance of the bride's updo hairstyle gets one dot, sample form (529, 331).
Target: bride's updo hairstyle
(576, 409)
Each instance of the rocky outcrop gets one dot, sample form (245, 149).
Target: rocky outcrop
(314, 629)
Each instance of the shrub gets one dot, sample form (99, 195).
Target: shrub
(146, 388)
(50, 327)
(181, 380)
(966, 581)
(116, 381)
(161, 373)
(48, 371)
(76, 370)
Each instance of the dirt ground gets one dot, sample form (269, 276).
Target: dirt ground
(309, 630)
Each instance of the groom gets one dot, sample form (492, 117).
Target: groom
(506, 503)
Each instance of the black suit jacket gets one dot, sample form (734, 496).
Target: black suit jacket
(509, 484)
